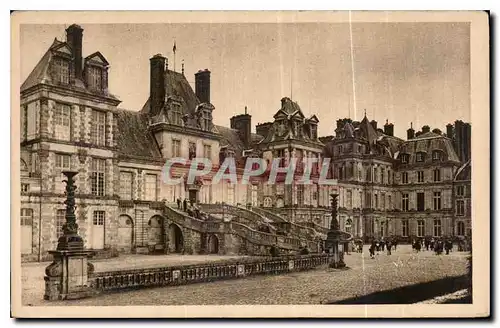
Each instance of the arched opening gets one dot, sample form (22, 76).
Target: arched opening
(213, 244)
(175, 238)
(125, 233)
(348, 225)
(155, 235)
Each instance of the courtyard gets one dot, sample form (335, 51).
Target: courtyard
(365, 276)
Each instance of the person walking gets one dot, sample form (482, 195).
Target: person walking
(178, 203)
(185, 204)
(388, 245)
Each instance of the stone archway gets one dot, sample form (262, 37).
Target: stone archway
(155, 233)
(125, 233)
(213, 244)
(175, 239)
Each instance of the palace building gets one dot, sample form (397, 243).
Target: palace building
(70, 120)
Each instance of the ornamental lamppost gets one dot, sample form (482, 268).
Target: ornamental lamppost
(334, 236)
(67, 277)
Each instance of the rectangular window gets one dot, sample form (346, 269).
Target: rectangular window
(26, 217)
(60, 220)
(420, 201)
(420, 228)
(62, 129)
(368, 200)
(63, 162)
(126, 185)
(460, 207)
(404, 228)
(300, 195)
(349, 199)
(150, 187)
(25, 187)
(437, 200)
(460, 191)
(207, 121)
(420, 176)
(437, 228)
(405, 203)
(176, 114)
(436, 155)
(176, 148)
(99, 217)
(437, 175)
(207, 151)
(389, 202)
(382, 201)
(61, 67)
(376, 200)
(404, 177)
(420, 157)
(98, 130)
(95, 77)
(97, 171)
(382, 176)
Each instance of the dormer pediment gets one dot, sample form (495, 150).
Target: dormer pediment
(97, 58)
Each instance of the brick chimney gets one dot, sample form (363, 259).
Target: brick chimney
(426, 129)
(449, 131)
(74, 38)
(202, 85)
(410, 133)
(389, 128)
(243, 123)
(156, 84)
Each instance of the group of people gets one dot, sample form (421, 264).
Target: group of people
(381, 245)
(191, 209)
(437, 245)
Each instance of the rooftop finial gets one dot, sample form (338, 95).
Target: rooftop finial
(245, 110)
(182, 67)
(411, 125)
(365, 112)
(387, 121)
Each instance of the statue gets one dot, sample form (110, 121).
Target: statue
(334, 225)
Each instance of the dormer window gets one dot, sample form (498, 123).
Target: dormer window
(436, 155)
(420, 157)
(314, 132)
(206, 120)
(61, 70)
(176, 115)
(95, 78)
(405, 158)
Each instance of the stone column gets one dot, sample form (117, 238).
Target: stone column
(67, 277)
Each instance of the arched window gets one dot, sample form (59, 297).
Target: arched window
(348, 225)
(460, 228)
(268, 202)
(437, 228)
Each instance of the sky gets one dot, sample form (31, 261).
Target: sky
(401, 72)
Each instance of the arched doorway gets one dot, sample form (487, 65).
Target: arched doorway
(125, 233)
(155, 236)
(213, 244)
(175, 238)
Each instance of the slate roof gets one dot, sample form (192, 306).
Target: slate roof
(176, 85)
(427, 143)
(133, 138)
(231, 140)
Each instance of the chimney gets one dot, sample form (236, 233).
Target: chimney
(74, 37)
(389, 128)
(156, 84)
(449, 131)
(436, 131)
(374, 124)
(243, 123)
(202, 85)
(410, 133)
(426, 129)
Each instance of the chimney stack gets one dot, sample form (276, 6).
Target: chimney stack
(449, 131)
(410, 133)
(156, 84)
(202, 85)
(389, 128)
(74, 37)
(426, 129)
(243, 123)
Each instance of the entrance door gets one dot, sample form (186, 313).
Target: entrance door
(213, 244)
(175, 238)
(98, 230)
(125, 229)
(26, 231)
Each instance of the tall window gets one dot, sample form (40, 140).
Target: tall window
(300, 195)
(207, 151)
(382, 201)
(207, 122)
(368, 200)
(150, 187)
(382, 177)
(98, 131)
(62, 121)
(376, 200)
(405, 203)
(95, 77)
(404, 177)
(460, 207)
(61, 67)
(97, 170)
(404, 228)
(348, 225)
(460, 228)
(460, 191)
(192, 150)
(176, 114)
(176, 148)
(405, 158)
(60, 220)
(26, 231)
(126, 185)
(420, 176)
(26, 216)
(437, 228)
(420, 228)
(437, 200)
(389, 202)
(420, 157)
(63, 162)
(437, 175)
(420, 201)
(349, 199)
(388, 176)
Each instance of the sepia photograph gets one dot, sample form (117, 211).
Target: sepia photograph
(250, 164)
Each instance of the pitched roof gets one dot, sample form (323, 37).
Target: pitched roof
(177, 86)
(368, 132)
(40, 73)
(427, 143)
(289, 108)
(133, 138)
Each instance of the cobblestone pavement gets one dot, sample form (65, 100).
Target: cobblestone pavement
(322, 285)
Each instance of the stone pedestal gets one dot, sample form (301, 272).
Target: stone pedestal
(67, 277)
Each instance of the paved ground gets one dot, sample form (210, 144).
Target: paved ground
(322, 285)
